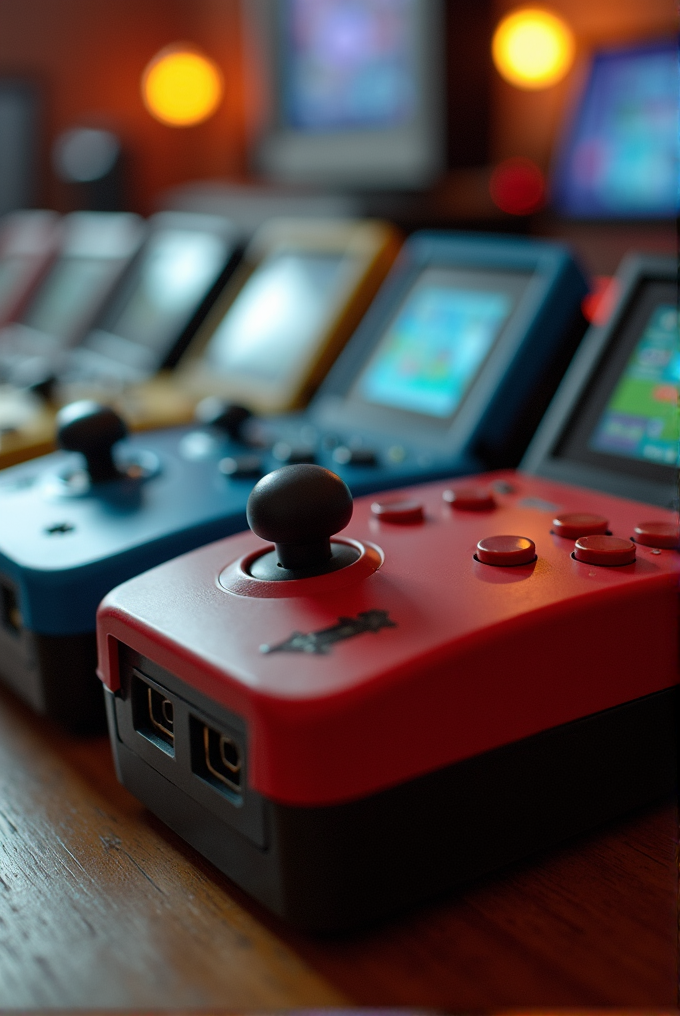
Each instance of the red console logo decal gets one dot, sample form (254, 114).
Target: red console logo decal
(320, 642)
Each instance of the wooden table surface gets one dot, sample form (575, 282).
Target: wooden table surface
(102, 907)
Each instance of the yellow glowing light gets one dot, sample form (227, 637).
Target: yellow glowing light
(533, 48)
(181, 86)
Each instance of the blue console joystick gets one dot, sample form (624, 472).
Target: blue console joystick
(75, 524)
(227, 417)
(92, 430)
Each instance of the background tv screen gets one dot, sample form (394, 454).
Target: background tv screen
(348, 63)
(620, 159)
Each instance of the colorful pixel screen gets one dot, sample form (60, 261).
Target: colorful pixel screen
(348, 63)
(434, 348)
(620, 159)
(640, 420)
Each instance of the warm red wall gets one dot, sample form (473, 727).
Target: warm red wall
(89, 56)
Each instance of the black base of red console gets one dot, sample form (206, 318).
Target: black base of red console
(328, 869)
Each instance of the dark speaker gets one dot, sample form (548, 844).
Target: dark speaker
(19, 111)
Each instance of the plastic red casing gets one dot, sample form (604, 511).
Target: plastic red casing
(481, 656)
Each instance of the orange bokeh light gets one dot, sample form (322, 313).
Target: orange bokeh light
(181, 86)
(533, 48)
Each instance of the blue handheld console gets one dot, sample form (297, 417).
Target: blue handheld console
(449, 372)
(76, 523)
(446, 375)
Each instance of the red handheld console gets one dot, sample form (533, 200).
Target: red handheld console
(484, 671)
(473, 671)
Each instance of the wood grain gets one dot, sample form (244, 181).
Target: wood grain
(98, 908)
(101, 906)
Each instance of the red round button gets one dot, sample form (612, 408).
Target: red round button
(400, 512)
(470, 499)
(506, 550)
(576, 524)
(607, 550)
(657, 534)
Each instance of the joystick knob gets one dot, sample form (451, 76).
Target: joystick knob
(91, 429)
(225, 416)
(299, 508)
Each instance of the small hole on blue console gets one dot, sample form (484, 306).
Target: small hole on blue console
(60, 528)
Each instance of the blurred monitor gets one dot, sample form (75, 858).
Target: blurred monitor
(94, 249)
(162, 299)
(354, 89)
(278, 326)
(277, 315)
(619, 156)
(29, 241)
(18, 144)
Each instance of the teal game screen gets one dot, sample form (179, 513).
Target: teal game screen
(434, 348)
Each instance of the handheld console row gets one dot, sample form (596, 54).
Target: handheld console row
(493, 319)
(299, 292)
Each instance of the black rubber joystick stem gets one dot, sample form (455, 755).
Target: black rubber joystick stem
(226, 416)
(299, 508)
(91, 429)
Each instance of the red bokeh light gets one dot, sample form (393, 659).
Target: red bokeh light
(600, 302)
(518, 187)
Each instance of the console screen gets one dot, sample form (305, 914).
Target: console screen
(628, 419)
(435, 346)
(348, 63)
(177, 271)
(273, 325)
(11, 270)
(640, 420)
(69, 295)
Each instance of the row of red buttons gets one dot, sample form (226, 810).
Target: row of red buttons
(594, 544)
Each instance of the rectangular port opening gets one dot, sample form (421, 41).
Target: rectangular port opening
(153, 715)
(9, 606)
(217, 758)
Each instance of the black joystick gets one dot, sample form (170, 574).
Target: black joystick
(225, 416)
(299, 508)
(91, 429)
